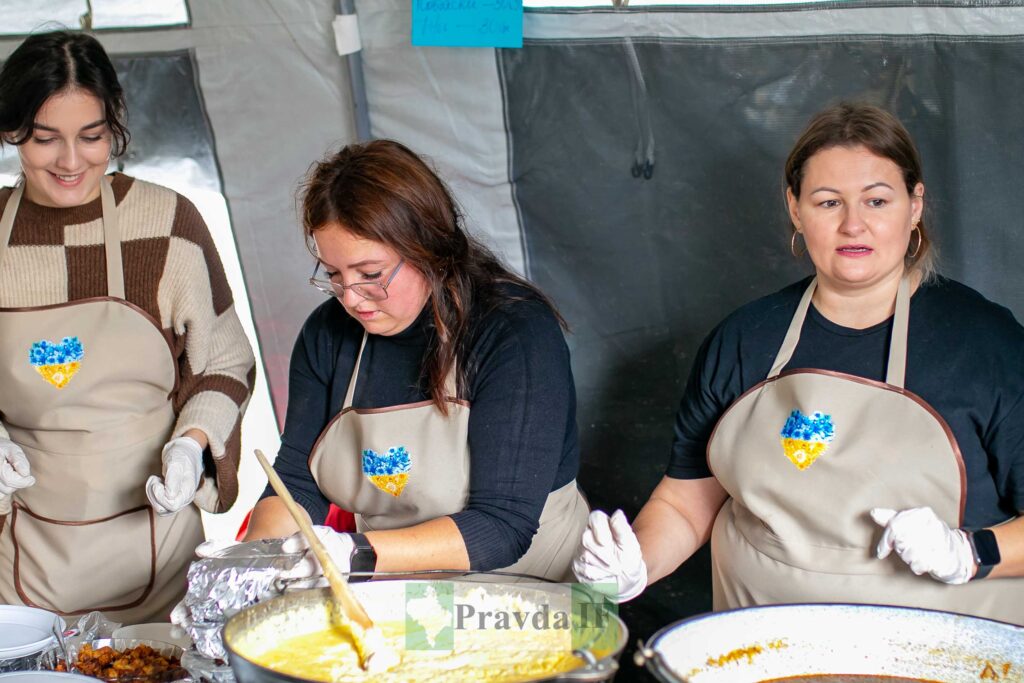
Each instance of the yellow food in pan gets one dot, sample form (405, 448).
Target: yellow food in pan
(485, 656)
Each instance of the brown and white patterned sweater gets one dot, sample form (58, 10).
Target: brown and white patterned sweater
(172, 271)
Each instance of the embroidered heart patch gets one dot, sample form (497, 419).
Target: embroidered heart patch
(805, 439)
(57, 363)
(388, 471)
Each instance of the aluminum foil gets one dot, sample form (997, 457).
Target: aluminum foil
(205, 670)
(219, 587)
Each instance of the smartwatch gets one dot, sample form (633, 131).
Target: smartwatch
(363, 559)
(985, 549)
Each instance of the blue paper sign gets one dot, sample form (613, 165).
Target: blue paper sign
(467, 23)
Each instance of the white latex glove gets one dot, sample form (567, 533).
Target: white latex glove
(339, 546)
(609, 551)
(181, 620)
(183, 470)
(925, 543)
(15, 472)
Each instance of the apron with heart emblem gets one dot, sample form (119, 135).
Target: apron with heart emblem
(402, 465)
(86, 394)
(804, 456)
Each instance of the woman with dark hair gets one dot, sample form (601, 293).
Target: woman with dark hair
(857, 436)
(125, 371)
(431, 395)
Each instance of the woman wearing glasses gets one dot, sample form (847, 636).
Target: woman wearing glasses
(431, 394)
(124, 371)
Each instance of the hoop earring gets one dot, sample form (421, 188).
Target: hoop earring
(792, 245)
(920, 239)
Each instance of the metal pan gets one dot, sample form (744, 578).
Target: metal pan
(762, 643)
(248, 633)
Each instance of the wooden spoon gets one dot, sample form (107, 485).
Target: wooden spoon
(349, 611)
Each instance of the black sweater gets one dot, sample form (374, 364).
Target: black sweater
(965, 358)
(522, 428)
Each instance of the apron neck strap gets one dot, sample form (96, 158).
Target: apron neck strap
(351, 391)
(7, 221)
(793, 333)
(111, 234)
(112, 241)
(896, 373)
(450, 386)
(897, 364)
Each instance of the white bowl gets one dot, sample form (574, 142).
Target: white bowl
(25, 630)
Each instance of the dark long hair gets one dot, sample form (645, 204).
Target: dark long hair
(384, 192)
(853, 124)
(49, 63)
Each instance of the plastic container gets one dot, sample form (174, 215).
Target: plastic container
(164, 632)
(122, 644)
(25, 634)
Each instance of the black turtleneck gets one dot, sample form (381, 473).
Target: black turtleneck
(522, 426)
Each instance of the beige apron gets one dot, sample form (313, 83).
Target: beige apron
(402, 465)
(86, 393)
(796, 527)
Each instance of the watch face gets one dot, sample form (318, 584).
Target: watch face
(986, 548)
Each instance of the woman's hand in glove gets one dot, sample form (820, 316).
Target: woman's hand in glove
(183, 470)
(610, 552)
(339, 546)
(925, 543)
(15, 472)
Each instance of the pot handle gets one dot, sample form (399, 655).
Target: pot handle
(646, 658)
(595, 670)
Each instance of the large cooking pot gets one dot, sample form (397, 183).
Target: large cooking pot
(763, 643)
(248, 634)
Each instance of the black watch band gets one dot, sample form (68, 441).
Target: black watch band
(364, 558)
(986, 551)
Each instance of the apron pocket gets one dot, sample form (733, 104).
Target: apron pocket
(103, 564)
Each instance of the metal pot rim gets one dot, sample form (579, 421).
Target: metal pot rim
(648, 656)
(601, 669)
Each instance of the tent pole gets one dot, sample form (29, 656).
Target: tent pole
(355, 72)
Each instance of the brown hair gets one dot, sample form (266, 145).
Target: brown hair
(55, 62)
(382, 191)
(851, 124)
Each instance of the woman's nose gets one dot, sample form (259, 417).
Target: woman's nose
(351, 298)
(68, 157)
(852, 221)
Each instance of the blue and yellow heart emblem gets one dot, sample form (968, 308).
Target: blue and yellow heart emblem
(388, 471)
(57, 363)
(805, 439)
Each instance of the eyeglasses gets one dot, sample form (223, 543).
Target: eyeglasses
(376, 290)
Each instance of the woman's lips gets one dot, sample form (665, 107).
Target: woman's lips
(365, 315)
(67, 180)
(854, 250)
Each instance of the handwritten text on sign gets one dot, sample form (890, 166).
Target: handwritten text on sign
(467, 23)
